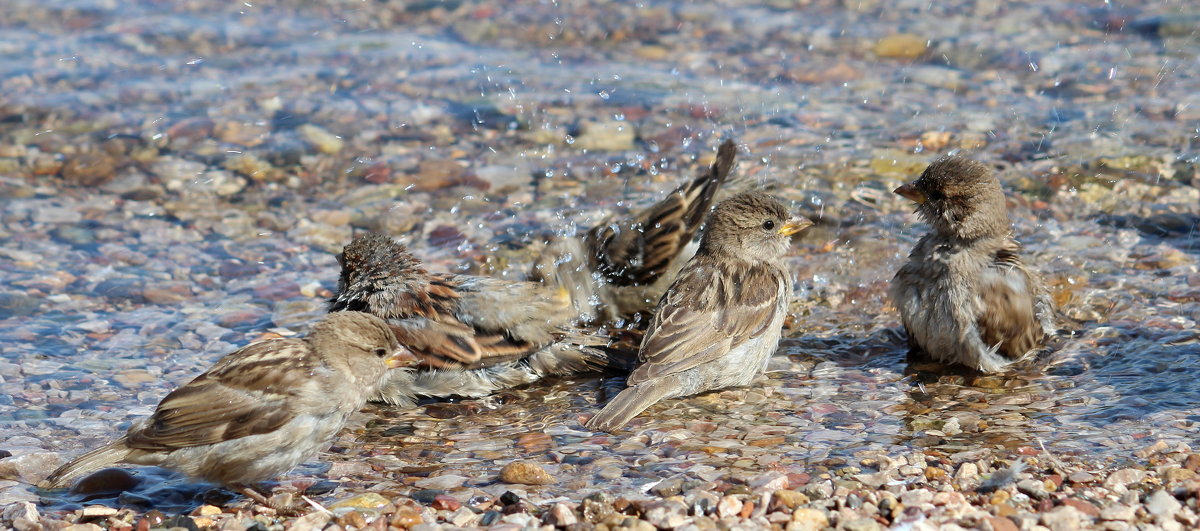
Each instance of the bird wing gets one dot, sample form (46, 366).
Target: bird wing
(524, 310)
(708, 310)
(247, 392)
(1007, 296)
(438, 344)
(636, 251)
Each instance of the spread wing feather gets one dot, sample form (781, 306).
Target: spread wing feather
(1006, 293)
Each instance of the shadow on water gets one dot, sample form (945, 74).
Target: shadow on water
(145, 488)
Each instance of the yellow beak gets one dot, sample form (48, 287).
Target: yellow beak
(795, 225)
(401, 357)
(910, 192)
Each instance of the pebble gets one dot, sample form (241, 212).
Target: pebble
(1162, 505)
(89, 169)
(30, 467)
(1192, 462)
(1081, 477)
(901, 46)
(667, 514)
(445, 502)
(106, 480)
(525, 473)
(324, 141)
(505, 179)
(861, 524)
(1118, 512)
(462, 517)
(562, 515)
(728, 506)
(1082, 506)
(1063, 518)
(605, 136)
(790, 498)
(435, 174)
(369, 500)
(17, 304)
(805, 519)
(610, 472)
(444, 482)
(313, 521)
(20, 511)
(1124, 477)
(1033, 488)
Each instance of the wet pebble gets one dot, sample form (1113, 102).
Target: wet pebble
(107, 480)
(89, 169)
(30, 467)
(444, 482)
(605, 136)
(17, 304)
(525, 473)
(324, 141)
(369, 500)
(900, 46)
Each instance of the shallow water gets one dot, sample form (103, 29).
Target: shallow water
(121, 282)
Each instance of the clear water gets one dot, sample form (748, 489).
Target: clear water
(113, 297)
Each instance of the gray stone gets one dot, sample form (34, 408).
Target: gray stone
(562, 515)
(1081, 477)
(667, 514)
(1162, 505)
(1124, 477)
(446, 482)
(1062, 518)
(1033, 488)
(1119, 512)
(31, 467)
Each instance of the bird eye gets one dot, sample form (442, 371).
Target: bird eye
(381, 352)
(768, 225)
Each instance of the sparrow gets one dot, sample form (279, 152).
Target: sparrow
(720, 320)
(260, 410)
(965, 296)
(474, 335)
(623, 265)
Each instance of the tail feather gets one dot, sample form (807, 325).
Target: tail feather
(85, 464)
(632, 402)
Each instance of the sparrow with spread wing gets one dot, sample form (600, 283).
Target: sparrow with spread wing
(623, 265)
(474, 334)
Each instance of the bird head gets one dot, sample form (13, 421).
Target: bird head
(959, 197)
(752, 226)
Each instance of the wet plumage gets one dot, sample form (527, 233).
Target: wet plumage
(260, 410)
(720, 321)
(965, 296)
(474, 334)
(623, 265)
